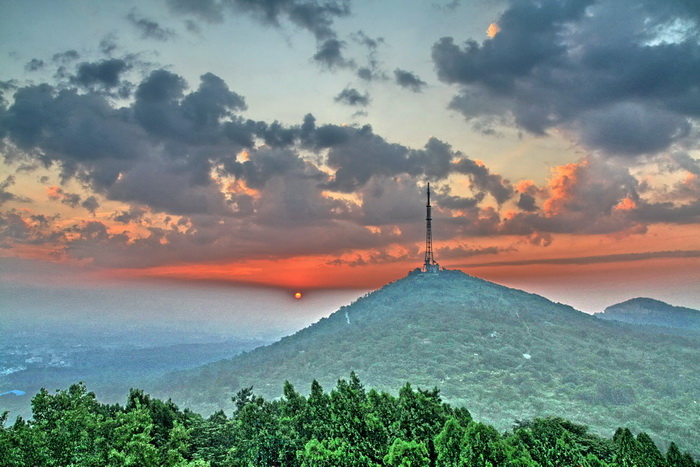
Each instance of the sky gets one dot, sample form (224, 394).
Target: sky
(288, 143)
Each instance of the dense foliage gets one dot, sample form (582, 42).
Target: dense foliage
(347, 427)
(503, 353)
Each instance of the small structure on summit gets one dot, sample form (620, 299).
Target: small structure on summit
(429, 265)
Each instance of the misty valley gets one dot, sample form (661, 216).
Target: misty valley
(122, 336)
(110, 361)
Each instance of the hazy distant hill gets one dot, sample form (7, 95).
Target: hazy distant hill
(503, 353)
(653, 312)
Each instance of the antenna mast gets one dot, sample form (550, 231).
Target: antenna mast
(429, 265)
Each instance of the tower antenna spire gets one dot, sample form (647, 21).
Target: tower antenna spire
(429, 265)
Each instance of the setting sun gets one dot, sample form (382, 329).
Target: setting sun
(297, 295)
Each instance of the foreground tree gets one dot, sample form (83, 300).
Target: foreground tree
(348, 427)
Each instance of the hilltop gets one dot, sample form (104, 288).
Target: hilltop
(503, 353)
(653, 312)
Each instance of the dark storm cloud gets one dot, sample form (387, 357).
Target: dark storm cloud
(159, 152)
(624, 87)
(360, 154)
(357, 154)
(408, 80)
(148, 28)
(630, 128)
(105, 72)
(162, 108)
(351, 96)
(68, 126)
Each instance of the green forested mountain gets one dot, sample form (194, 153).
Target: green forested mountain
(653, 312)
(503, 353)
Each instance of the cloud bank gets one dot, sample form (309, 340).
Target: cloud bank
(194, 179)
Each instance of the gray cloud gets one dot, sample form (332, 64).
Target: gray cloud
(18, 227)
(484, 179)
(34, 65)
(408, 80)
(620, 86)
(527, 202)
(148, 28)
(329, 55)
(358, 154)
(106, 73)
(163, 109)
(91, 204)
(351, 96)
(66, 57)
(5, 195)
(314, 16)
(210, 11)
(175, 150)
(133, 214)
(74, 200)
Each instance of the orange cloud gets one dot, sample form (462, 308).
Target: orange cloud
(625, 204)
(239, 186)
(564, 178)
(54, 193)
(492, 30)
(524, 186)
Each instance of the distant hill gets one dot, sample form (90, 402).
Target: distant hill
(653, 312)
(504, 354)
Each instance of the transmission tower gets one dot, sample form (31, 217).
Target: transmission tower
(429, 265)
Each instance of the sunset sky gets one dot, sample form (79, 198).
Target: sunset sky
(289, 142)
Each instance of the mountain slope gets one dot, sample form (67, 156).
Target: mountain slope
(503, 353)
(653, 312)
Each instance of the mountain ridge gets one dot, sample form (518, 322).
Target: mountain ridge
(649, 311)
